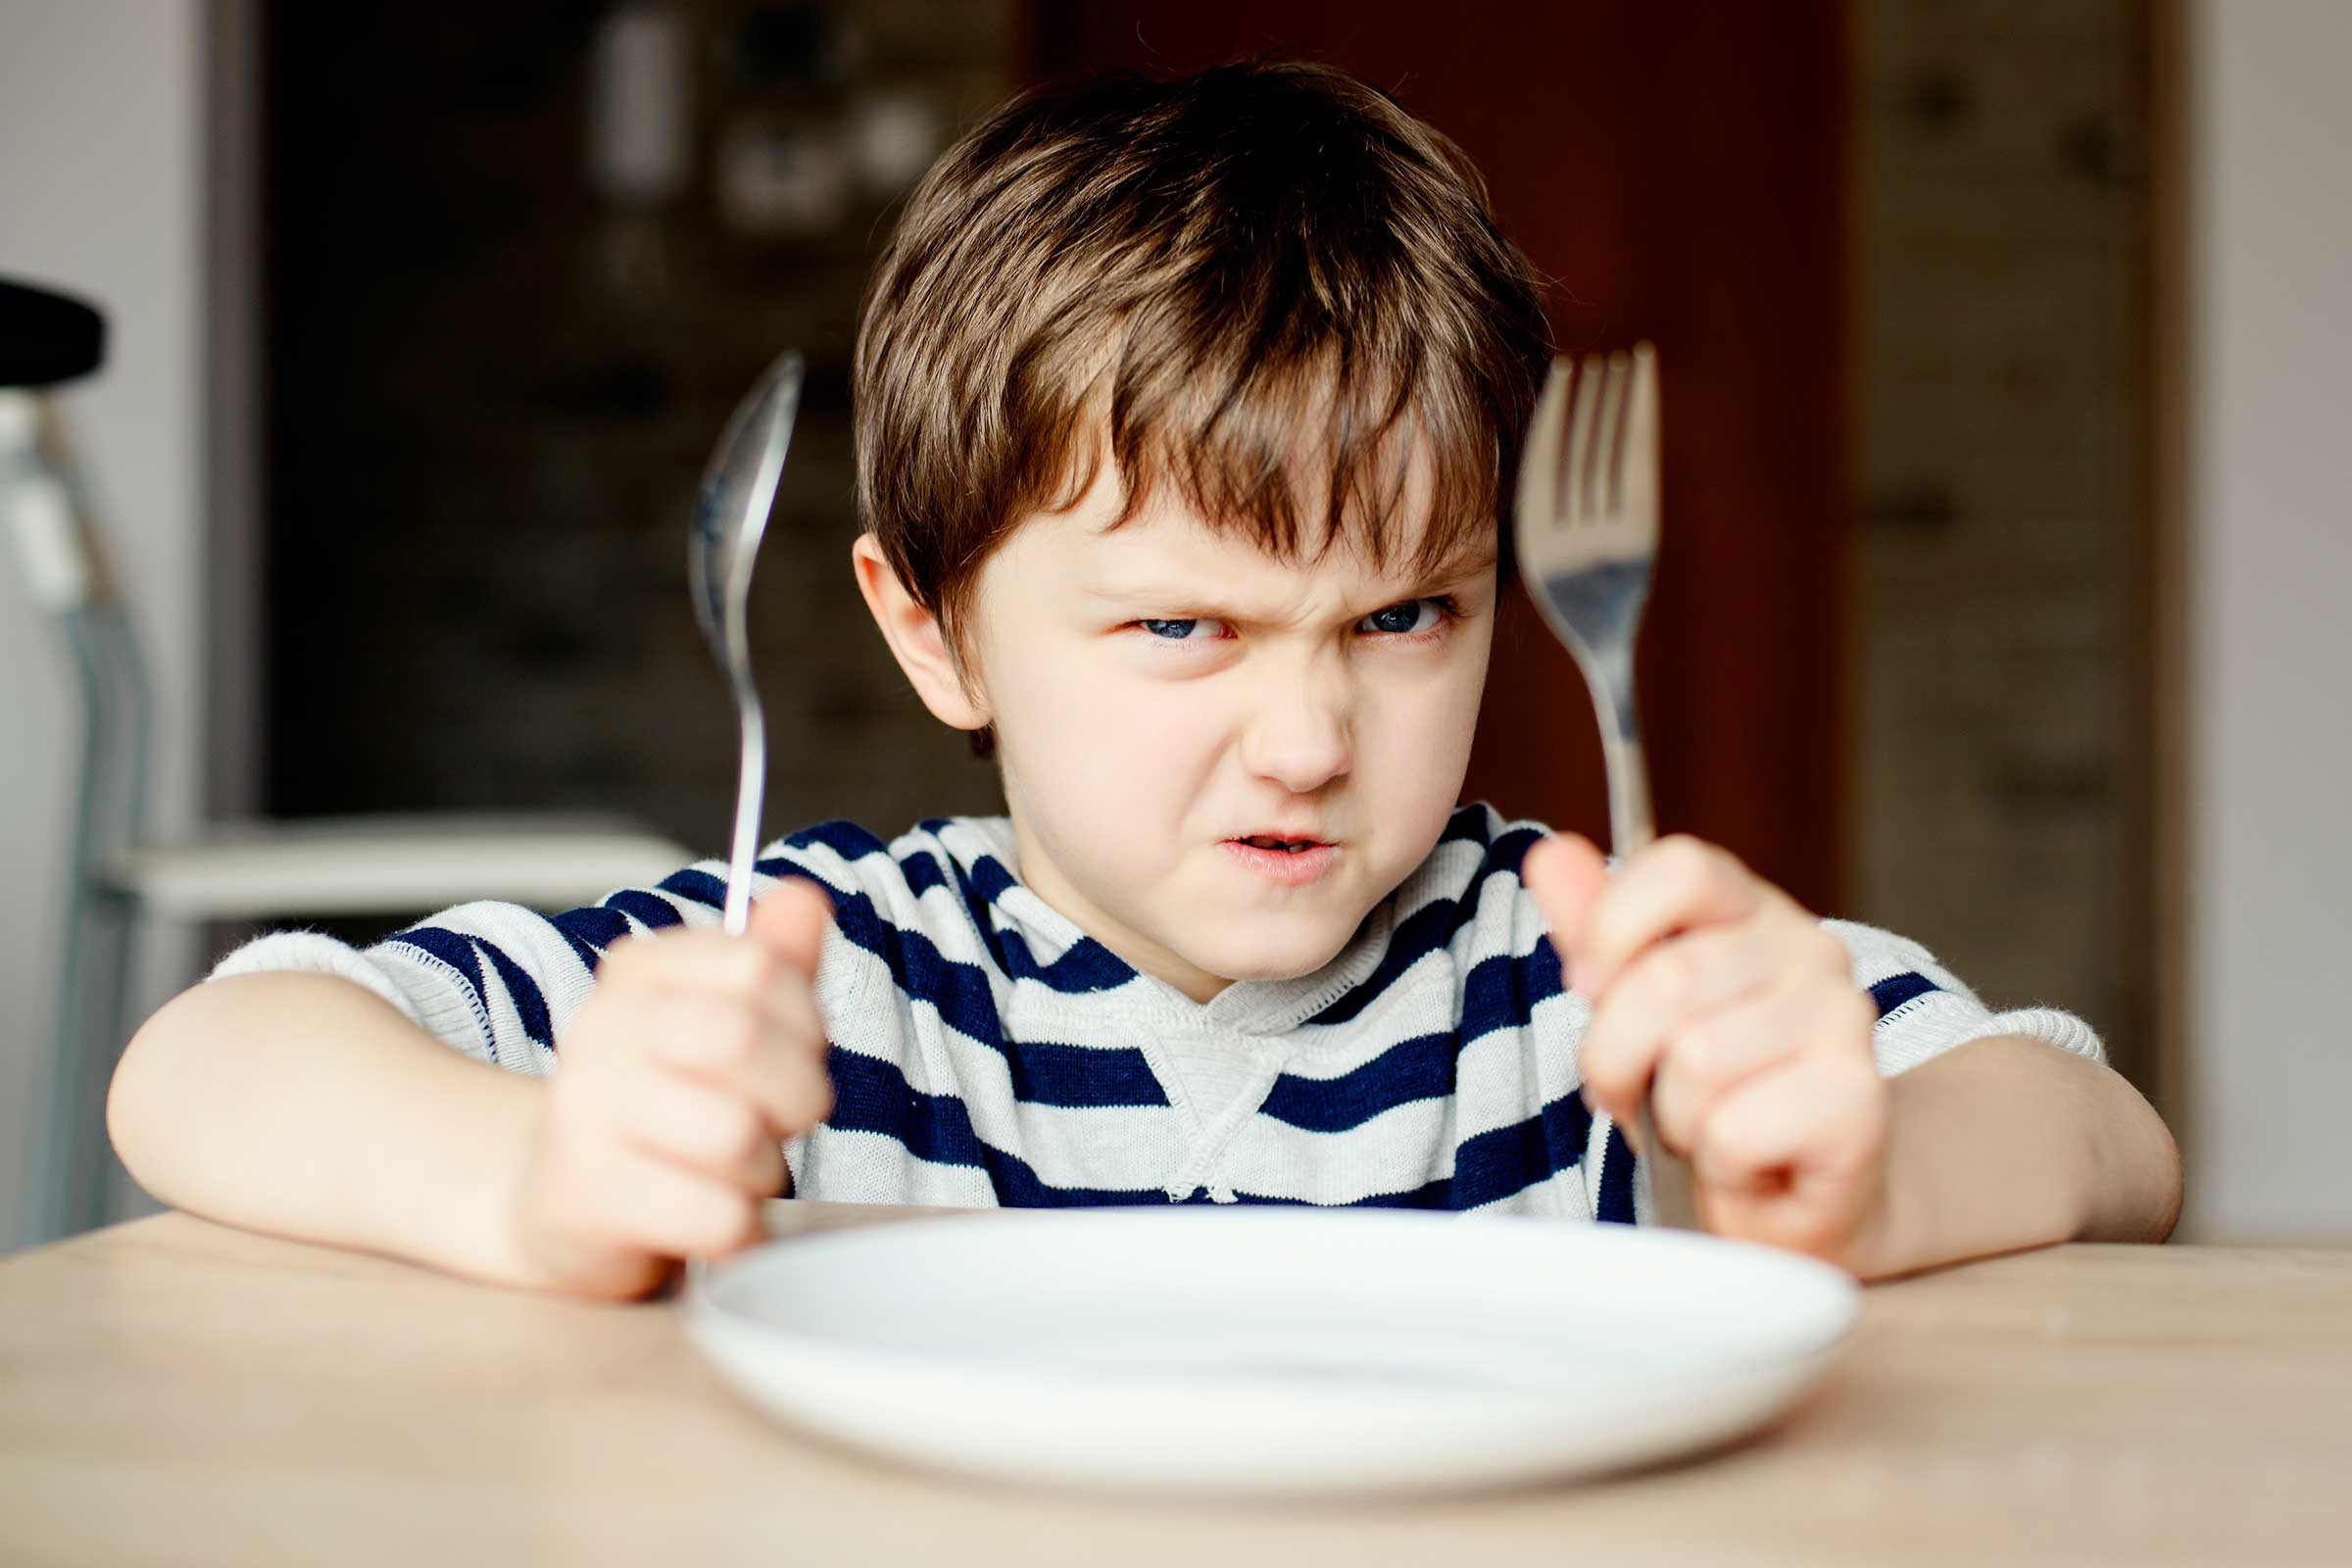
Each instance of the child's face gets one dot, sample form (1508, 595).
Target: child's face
(1161, 692)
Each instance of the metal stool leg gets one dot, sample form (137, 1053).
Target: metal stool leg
(66, 1145)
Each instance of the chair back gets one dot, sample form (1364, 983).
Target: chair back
(46, 339)
(57, 554)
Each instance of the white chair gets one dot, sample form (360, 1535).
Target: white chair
(117, 874)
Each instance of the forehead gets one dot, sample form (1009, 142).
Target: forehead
(1102, 544)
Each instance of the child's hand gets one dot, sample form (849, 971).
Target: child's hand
(694, 1057)
(1744, 1011)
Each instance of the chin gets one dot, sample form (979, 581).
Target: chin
(1270, 960)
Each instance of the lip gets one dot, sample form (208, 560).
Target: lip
(1285, 867)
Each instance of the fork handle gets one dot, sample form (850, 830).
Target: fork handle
(1631, 828)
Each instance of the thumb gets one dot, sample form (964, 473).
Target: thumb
(790, 921)
(1565, 873)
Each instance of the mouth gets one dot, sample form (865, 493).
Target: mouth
(1282, 858)
(1278, 844)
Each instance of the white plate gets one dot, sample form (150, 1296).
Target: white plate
(1270, 1350)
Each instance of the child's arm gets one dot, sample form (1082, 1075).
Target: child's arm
(1738, 1014)
(307, 1106)
(2006, 1143)
(303, 1105)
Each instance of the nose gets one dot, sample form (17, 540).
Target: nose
(1301, 735)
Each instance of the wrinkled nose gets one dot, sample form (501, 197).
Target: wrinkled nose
(1300, 736)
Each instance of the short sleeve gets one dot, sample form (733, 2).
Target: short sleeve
(499, 982)
(1925, 1009)
(437, 1008)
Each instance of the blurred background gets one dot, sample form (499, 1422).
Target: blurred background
(2007, 377)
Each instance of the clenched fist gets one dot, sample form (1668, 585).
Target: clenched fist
(1721, 997)
(696, 1056)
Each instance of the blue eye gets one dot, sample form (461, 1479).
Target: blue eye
(1402, 619)
(1175, 631)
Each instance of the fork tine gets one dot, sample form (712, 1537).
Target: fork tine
(1608, 463)
(1640, 467)
(1576, 485)
(1539, 458)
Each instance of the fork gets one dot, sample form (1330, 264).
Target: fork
(1587, 530)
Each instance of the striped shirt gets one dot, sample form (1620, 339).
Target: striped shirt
(985, 1051)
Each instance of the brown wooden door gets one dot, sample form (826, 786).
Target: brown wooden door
(1677, 167)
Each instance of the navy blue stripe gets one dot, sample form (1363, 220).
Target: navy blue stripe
(648, 909)
(1434, 925)
(1042, 1072)
(872, 1096)
(1081, 1077)
(1429, 1195)
(1416, 1069)
(967, 1003)
(923, 873)
(1494, 1164)
(1896, 990)
(1503, 991)
(591, 930)
(1472, 822)
(845, 839)
(1500, 992)
(1086, 966)
(1505, 1160)
(461, 953)
(697, 887)
(452, 948)
(1616, 1206)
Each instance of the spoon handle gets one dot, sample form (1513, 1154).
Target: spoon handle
(751, 789)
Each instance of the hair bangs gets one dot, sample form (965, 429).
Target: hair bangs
(1301, 438)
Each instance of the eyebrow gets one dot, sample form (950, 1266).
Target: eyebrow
(1150, 593)
(1479, 558)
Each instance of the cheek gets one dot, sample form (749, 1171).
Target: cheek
(1416, 734)
(1411, 759)
(1094, 740)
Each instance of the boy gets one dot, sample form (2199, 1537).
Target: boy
(1185, 413)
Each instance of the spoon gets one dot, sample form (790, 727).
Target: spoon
(730, 515)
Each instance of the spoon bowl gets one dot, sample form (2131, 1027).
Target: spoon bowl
(730, 516)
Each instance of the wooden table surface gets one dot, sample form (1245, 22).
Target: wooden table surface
(173, 1390)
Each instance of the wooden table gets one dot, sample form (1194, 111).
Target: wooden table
(172, 1390)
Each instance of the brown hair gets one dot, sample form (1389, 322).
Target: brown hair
(1207, 280)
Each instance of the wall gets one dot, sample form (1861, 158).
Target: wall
(100, 192)
(2271, 645)
(2001, 207)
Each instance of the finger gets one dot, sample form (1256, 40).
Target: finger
(645, 1201)
(1708, 1057)
(693, 1123)
(1614, 1072)
(1813, 1121)
(782, 1070)
(707, 962)
(1675, 885)
(710, 966)
(791, 921)
(1671, 985)
(1565, 874)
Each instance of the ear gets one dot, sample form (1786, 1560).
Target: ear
(915, 640)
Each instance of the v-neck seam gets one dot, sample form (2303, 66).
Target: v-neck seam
(1210, 1138)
